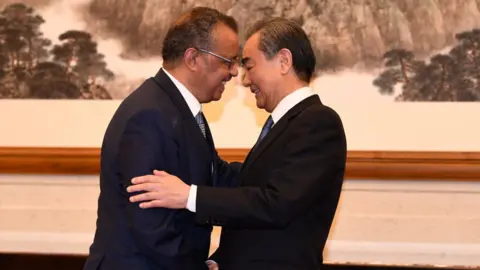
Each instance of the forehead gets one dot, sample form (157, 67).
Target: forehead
(225, 40)
(250, 50)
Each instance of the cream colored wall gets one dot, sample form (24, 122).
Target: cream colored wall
(372, 122)
(391, 222)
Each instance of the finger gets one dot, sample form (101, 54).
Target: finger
(152, 204)
(147, 196)
(160, 173)
(142, 187)
(144, 179)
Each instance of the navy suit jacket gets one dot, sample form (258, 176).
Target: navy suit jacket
(153, 128)
(289, 187)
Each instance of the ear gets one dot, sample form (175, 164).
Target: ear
(190, 58)
(285, 58)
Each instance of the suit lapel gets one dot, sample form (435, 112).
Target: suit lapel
(277, 130)
(271, 136)
(191, 125)
(211, 143)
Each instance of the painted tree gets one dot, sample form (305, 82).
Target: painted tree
(26, 67)
(50, 81)
(401, 68)
(466, 55)
(442, 72)
(82, 63)
(22, 46)
(446, 77)
(22, 36)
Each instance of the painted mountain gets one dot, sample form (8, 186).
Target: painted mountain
(416, 50)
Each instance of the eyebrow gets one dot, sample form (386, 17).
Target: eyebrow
(245, 60)
(234, 58)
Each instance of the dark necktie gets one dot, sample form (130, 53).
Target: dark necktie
(201, 123)
(266, 128)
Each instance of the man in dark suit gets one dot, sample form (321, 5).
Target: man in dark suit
(161, 126)
(289, 186)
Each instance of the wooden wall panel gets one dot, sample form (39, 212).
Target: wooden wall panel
(381, 165)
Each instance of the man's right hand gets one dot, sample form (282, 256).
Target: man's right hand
(159, 190)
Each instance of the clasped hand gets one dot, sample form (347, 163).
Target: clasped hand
(159, 190)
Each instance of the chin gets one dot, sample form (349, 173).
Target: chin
(260, 106)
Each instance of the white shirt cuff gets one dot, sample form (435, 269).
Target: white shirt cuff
(192, 198)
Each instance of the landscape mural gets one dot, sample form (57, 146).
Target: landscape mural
(407, 50)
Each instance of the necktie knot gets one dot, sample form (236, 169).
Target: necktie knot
(266, 128)
(268, 125)
(201, 123)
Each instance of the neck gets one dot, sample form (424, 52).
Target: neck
(182, 77)
(287, 87)
(295, 85)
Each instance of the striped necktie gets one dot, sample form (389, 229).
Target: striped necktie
(201, 123)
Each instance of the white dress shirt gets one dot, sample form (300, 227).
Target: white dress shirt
(191, 100)
(195, 107)
(282, 108)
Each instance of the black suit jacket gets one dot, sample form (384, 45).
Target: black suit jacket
(153, 128)
(290, 185)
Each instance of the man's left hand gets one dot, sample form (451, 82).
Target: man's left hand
(160, 190)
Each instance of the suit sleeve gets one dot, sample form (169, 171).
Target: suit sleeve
(227, 172)
(140, 152)
(313, 158)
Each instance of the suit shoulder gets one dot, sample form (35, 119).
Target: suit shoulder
(323, 113)
(147, 101)
(148, 96)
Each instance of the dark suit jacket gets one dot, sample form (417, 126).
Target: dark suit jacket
(153, 128)
(290, 185)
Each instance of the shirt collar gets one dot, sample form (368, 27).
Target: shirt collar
(290, 101)
(191, 100)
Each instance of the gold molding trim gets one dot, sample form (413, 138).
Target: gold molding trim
(374, 165)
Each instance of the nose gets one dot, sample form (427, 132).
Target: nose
(234, 70)
(246, 79)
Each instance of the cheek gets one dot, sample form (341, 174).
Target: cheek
(256, 79)
(212, 79)
(261, 82)
(218, 75)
